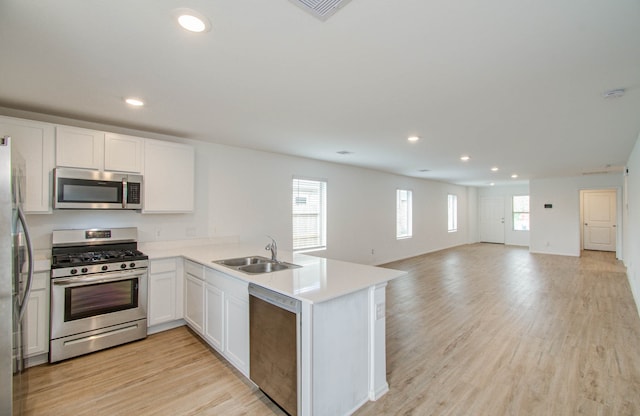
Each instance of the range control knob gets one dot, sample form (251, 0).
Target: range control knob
(132, 265)
(84, 270)
(74, 271)
(105, 268)
(123, 266)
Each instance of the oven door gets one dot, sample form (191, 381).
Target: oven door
(86, 303)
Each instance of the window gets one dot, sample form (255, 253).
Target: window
(403, 214)
(309, 211)
(521, 213)
(452, 210)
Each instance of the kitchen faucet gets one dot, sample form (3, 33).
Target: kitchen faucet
(273, 246)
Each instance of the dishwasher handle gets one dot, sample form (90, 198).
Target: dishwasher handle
(275, 298)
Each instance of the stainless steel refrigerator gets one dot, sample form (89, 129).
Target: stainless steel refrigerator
(16, 274)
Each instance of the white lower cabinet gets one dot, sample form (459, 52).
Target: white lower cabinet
(214, 317)
(216, 306)
(36, 320)
(237, 332)
(194, 296)
(226, 319)
(165, 291)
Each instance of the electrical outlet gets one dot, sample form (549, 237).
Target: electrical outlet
(379, 311)
(373, 252)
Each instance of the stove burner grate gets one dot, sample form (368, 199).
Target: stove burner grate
(95, 257)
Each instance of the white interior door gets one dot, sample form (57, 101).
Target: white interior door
(492, 220)
(599, 212)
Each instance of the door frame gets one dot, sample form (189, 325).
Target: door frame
(619, 238)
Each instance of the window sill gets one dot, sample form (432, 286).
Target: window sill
(310, 250)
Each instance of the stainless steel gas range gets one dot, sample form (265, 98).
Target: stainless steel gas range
(98, 291)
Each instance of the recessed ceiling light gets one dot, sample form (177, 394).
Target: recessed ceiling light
(492, 184)
(494, 169)
(465, 158)
(514, 176)
(192, 21)
(136, 102)
(413, 139)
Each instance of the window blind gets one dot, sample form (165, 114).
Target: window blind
(309, 206)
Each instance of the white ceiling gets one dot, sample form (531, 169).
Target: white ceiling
(515, 84)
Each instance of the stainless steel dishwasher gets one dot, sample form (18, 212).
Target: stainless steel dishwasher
(274, 330)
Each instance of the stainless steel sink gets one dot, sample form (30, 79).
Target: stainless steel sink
(243, 261)
(265, 267)
(255, 264)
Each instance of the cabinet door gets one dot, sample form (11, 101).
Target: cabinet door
(123, 153)
(194, 300)
(214, 316)
(37, 335)
(34, 142)
(237, 332)
(162, 297)
(79, 148)
(36, 320)
(168, 177)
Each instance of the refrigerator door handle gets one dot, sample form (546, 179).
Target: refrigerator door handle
(25, 300)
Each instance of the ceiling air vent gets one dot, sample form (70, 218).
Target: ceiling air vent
(322, 9)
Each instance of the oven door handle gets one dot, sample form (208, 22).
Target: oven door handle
(105, 278)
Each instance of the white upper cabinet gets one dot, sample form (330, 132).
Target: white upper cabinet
(123, 153)
(168, 177)
(34, 141)
(79, 148)
(168, 168)
(91, 149)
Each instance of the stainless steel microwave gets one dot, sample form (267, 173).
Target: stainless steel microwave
(92, 189)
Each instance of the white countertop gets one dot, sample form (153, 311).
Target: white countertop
(318, 279)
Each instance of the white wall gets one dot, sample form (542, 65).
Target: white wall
(250, 195)
(247, 194)
(631, 215)
(557, 230)
(511, 237)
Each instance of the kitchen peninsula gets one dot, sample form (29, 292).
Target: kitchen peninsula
(342, 358)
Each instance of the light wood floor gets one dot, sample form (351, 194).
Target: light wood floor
(170, 373)
(475, 330)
